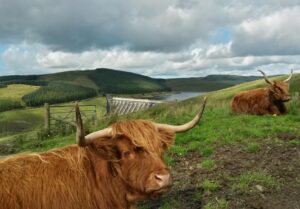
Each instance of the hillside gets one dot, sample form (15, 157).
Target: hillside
(227, 161)
(208, 83)
(77, 85)
(102, 80)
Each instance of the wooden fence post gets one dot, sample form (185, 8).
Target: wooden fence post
(108, 107)
(47, 117)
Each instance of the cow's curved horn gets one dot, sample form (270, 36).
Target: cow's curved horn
(98, 134)
(80, 139)
(85, 140)
(289, 78)
(266, 78)
(188, 125)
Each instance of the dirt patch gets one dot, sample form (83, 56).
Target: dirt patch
(281, 161)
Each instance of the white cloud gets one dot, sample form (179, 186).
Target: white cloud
(159, 38)
(22, 59)
(273, 34)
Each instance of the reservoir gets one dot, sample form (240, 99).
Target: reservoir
(178, 96)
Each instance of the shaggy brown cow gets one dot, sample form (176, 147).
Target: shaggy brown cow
(108, 169)
(262, 101)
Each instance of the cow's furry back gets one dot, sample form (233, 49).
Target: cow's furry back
(56, 179)
(257, 101)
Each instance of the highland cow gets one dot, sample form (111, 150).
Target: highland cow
(262, 101)
(109, 169)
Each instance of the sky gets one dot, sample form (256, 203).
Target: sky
(157, 38)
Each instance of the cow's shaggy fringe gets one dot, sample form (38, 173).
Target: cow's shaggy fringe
(75, 177)
(145, 134)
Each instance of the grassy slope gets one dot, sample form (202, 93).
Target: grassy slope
(24, 120)
(16, 91)
(113, 81)
(105, 80)
(219, 125)
(208, 83)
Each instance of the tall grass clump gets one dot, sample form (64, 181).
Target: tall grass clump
(57, 93)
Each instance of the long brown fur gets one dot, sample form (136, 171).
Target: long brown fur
(91, 177)
(262, 101)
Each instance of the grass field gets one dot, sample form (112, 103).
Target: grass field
(20, 121)
(11, 96)
(231, 128)
(16, 91)
(225, 160)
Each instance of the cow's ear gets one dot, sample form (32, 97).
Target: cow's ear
(167, 137)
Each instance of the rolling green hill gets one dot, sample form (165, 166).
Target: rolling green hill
(77, 85)
(208, 83)
(102, 80)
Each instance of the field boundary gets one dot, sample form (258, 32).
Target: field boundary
(66, 114)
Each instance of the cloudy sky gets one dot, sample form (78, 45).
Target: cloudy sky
(158, 38)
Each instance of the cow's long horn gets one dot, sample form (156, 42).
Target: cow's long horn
(187, 126)
(289, 78)
(266, 78)
(98, 134)
(80, 139)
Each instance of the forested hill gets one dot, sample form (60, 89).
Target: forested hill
(102, 80)
(208, 83)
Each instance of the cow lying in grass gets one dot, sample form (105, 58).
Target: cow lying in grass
(262, 101)
(108, 169)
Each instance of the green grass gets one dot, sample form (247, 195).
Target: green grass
(253, 147)
(208, 83)
(178, 150)
(217, 204)
(8, 104)
(16, 91)
(247, 180)
(29, 119)
(208, 164)
(293, 142)
(170, 204)
(11, 96)
(218, 126)
(18, 121)
(209, 185)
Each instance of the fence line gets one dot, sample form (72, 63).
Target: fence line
(52, 115)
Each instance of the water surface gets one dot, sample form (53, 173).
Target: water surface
(179, 96)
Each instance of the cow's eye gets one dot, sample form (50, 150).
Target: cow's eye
(139, 150)
(126, 154)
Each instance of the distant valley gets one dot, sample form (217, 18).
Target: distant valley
(83, 84)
